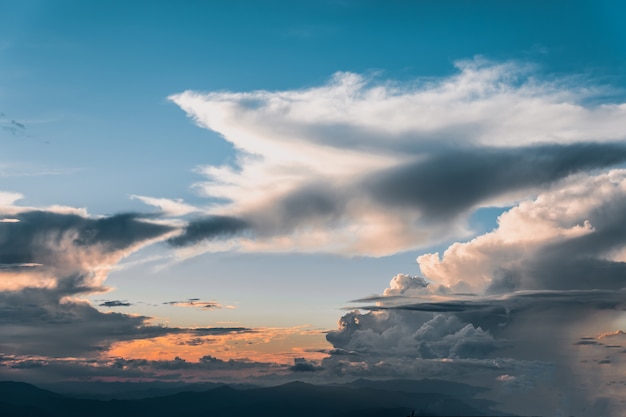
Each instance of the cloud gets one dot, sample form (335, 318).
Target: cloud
(476, 339)
(211, 227)
(427, 336)
(35, 321)
(168, 206)
(448, 184)
(404, 164)
(302, 365)
(611, 334)
(367, 167)
(68, 251)
(114, 303)
(12, 126)
(558, 240)
(195, 303)
(207, 368)
(50, 257)
(552, 270)
(404, 284)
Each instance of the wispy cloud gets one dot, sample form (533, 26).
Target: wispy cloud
(168, 206)
(114, 303)
(10, 125)
(195, 303)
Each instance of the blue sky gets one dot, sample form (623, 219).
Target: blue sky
(106, 105)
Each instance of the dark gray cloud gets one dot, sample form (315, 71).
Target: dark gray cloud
(211, 227)
(438, 186)
(495, 312)
(38, 322)
(587, 343)
(51, 369)
(313, 203)
(603, 299)
(38, 235)
(469, 338)
(450, 182)
(209, 331)
(49, 257)
(302, 365)
(206, 362)
(197, 341)
(18, 266)
(114, 303)
(196, 303)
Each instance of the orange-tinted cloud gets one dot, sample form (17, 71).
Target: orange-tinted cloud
(276, 345)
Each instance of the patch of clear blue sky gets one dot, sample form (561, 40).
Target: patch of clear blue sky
(90, 80)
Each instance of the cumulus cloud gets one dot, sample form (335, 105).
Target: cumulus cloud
(361, 166)
(477, 339)
(403, 284)
(568, 237)
(418, 335)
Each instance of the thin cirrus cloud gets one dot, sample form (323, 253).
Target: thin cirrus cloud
(167, 206)
(11, 126)
(358, 166)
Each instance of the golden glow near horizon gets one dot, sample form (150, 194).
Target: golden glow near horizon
(277, 345)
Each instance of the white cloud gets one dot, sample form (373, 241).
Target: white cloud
(171, 207)
(322, 146)
(565, 212)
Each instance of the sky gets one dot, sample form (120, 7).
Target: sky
(323, 191)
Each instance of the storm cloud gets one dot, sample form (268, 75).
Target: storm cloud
(552, 270)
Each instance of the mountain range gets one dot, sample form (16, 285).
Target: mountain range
(361, 398)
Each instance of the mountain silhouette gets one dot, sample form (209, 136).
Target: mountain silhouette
(295, 399)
